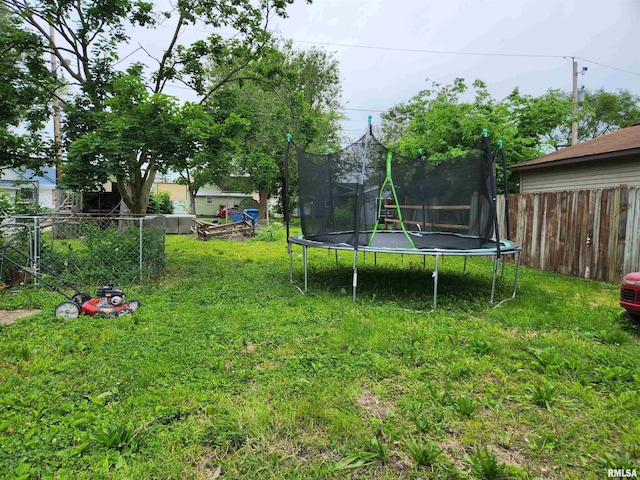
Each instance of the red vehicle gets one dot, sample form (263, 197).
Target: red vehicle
(222, 211)
(630, 295)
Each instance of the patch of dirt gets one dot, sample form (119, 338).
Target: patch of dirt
(509, 456)
(9, 316)
(454, 450)
(374, 406)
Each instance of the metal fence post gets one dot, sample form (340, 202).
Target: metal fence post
(36, 250)
(141, 220)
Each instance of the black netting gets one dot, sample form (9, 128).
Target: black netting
(350, 192)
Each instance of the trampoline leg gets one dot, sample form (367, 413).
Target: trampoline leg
(424, 261)
(435, 284)
(375, 258)
(336, 257)
(496, 263)
(304, 257)
(290, 262)
(464, 269)
(515, 282)
(355, 274)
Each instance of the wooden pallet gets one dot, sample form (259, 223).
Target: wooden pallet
(244, 228)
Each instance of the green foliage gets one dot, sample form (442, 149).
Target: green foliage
(296, 92)
(424, 453)
(432, 420)
(6, 204)
(160, 203)
(543, 396)
(466, 406)
(354, 461)
(482, 346)
(485, 466)
(106, 254)
(115, 435)
(441, 122)
(26, 87)
(603, 112)
(379, 449)
(120, 125)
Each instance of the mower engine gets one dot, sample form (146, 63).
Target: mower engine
(111, 302)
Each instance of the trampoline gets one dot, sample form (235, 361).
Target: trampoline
(366, 198)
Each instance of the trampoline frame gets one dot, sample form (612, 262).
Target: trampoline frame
(508, 248)
(502, 247)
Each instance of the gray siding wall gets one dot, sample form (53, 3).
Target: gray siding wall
(582, 176)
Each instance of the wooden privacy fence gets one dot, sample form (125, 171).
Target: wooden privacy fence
(585, 233)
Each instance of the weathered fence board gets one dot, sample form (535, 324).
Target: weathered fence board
(586, 233)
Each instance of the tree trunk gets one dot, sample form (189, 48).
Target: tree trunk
(263, 199)
(192, 201)
(135, 191)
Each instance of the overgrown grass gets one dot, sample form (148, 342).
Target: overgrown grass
(228, 371)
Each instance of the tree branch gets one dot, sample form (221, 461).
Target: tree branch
(167, 53)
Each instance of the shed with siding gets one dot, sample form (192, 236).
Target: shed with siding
(603, 162)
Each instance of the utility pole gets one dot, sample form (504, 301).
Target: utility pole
(56, 127)
(574, 124)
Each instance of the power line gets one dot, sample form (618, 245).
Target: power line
(442, 52)
(436, 52)
(608, 66)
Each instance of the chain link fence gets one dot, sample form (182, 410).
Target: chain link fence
(79, 252)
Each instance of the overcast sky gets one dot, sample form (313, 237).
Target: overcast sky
(601, 34)
(386, 48)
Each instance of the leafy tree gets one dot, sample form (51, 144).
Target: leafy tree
(208, 144)
(542, 119)
(441, 122)
(88, 36)
(444, 122)
(296, 92)
(26, 90)
(603, 112)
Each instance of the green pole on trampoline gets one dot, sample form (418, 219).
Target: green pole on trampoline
(389, 180)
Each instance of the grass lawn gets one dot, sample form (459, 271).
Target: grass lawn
(228, 371)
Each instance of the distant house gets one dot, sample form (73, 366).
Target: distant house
(23, 184)
(606, 161)
(211, 198)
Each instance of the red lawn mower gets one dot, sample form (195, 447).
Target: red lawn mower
(111, 302)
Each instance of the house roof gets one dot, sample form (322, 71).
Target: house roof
(621, 143)
(45, 179)
(205, 192)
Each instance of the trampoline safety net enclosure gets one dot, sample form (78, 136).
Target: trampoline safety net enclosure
(368, 198)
